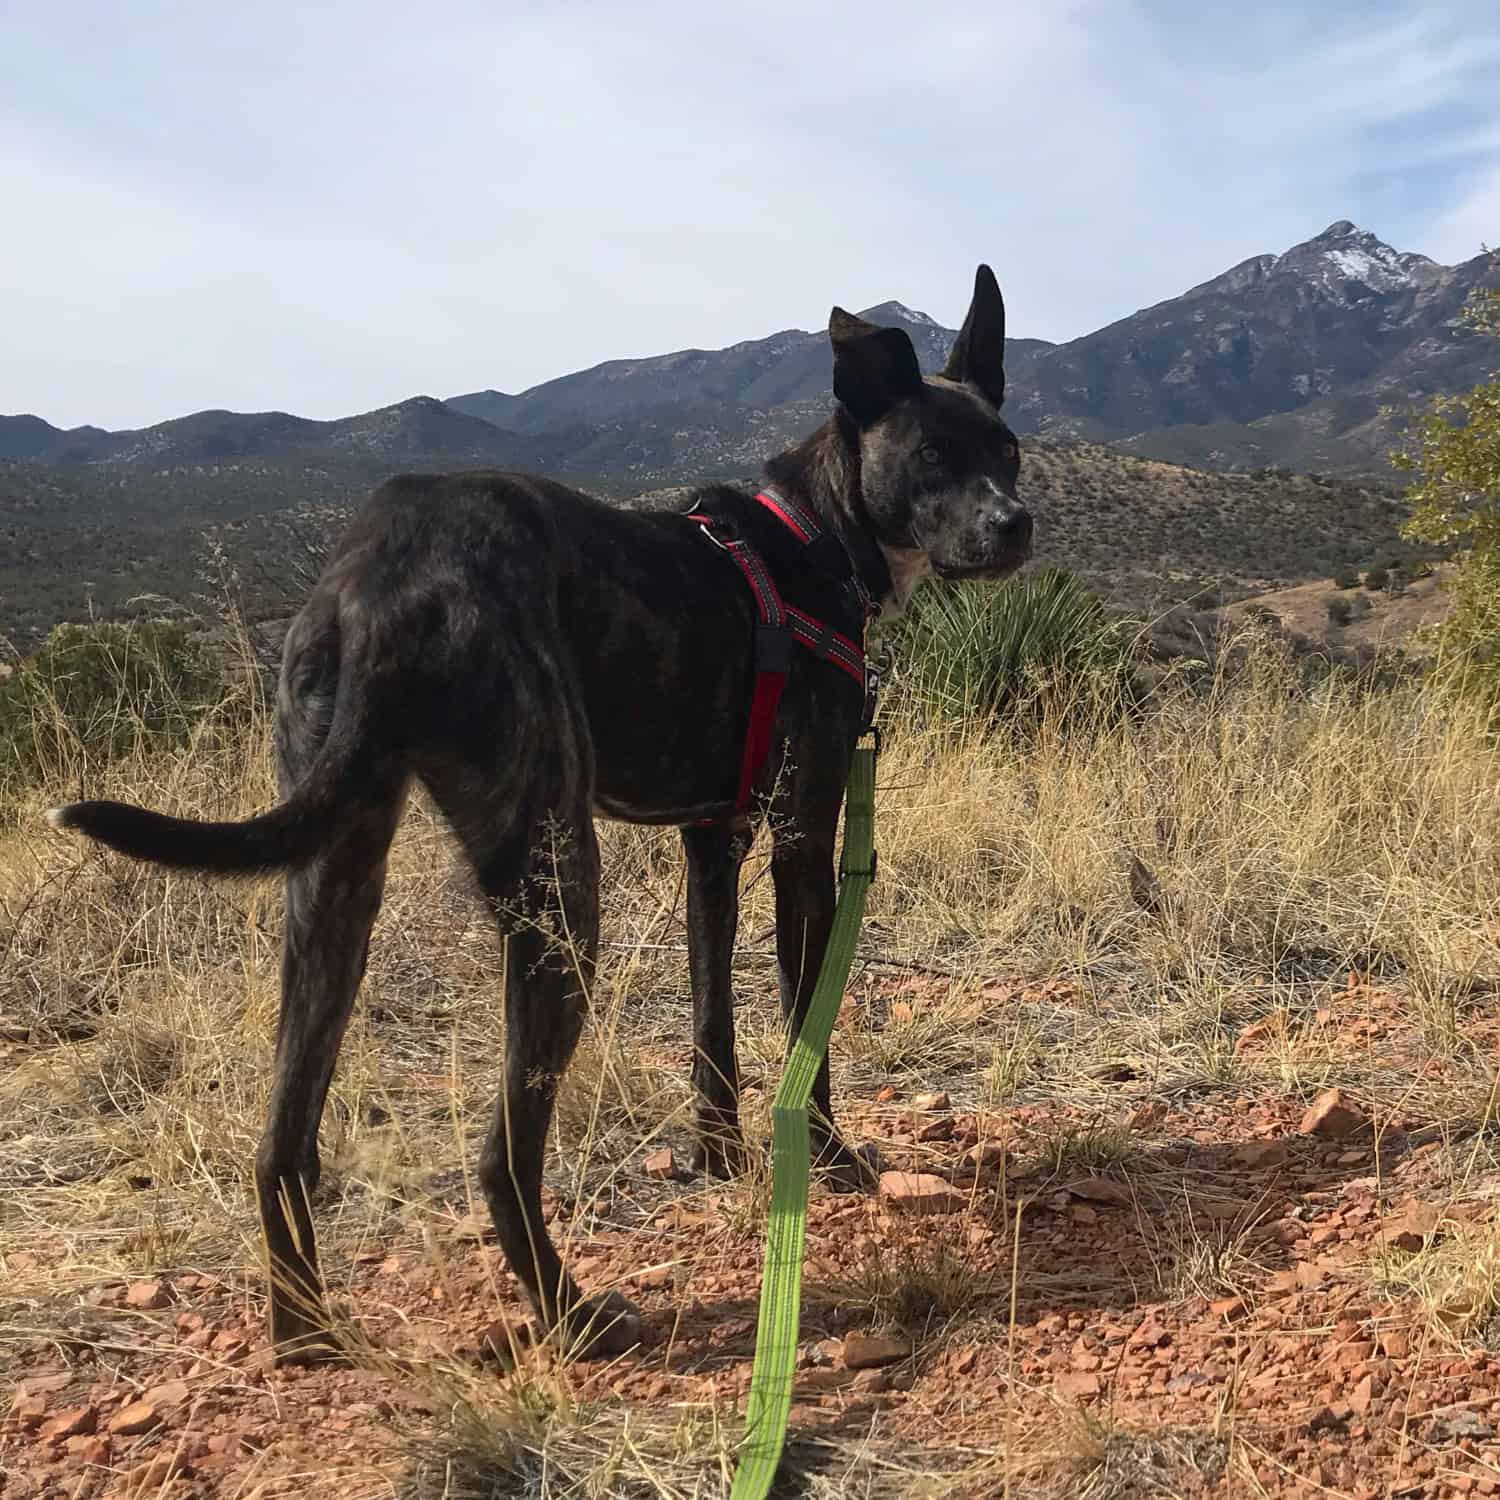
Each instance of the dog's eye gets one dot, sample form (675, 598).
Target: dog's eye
(930, 455)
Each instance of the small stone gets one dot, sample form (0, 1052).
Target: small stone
(920, 1193)
(173, 1393)
(1261, 1031)
(887, 1095)
(150, 1477)
(1100, 1190)
(930, 1103)
(1327, 1419)
(1077, 1384)
(1330, 1117)
(476, 1227)
(936, 1130)
(1361, 1397)
(77, 1421)
(660, 1163)
(872, 1381)
(1227, 1309)
(1147, 1116)
(45, 1385)
(965, 1362)
(132, 1420)
(1260, 1154)
(1460, 1425)
(986, 1156)
(147, 1296)
(28, 1411)
(1395, 1344)
(93, 1451)
(1416, 1224)
(864, 1351)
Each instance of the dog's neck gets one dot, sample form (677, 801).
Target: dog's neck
(823, 472)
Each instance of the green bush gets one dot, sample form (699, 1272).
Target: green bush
(1340, 611)
(1346, 578)
(1377, 578)
(93, 693)
(983, 655)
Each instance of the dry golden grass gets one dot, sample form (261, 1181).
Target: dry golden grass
(1287, 839)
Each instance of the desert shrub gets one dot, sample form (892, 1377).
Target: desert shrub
(1346, 578)
(95, 692)
(1377, 578)
(1043, 645)
(1340, 611)
(1455, 501)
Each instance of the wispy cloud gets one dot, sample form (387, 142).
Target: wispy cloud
(329, 207)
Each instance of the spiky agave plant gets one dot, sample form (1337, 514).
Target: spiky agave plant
(1041, 648)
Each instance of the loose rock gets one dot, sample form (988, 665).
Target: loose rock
(1330, 1117)
(132, 1420)
(660, 1163)
(920, 1193)
(864, 1351)
(147, 1296)
(75, 1422)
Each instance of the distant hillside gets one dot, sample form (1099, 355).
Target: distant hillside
(1143, 532)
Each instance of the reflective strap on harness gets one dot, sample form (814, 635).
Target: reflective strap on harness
(779, 624)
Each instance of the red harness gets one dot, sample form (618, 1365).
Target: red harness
(779, 625)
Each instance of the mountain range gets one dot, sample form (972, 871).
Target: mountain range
(1304, 360)
(1285, 359)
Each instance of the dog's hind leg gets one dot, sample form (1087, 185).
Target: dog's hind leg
(538, 867)
(715, 853)
(330, 909)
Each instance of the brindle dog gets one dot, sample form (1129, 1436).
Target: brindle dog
(535, 657)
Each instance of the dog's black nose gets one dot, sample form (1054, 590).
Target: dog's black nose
(1013, 524)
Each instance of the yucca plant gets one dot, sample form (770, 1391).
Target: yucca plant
(1042, 647)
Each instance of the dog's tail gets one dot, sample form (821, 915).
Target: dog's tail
(283, 838)
(286, 837)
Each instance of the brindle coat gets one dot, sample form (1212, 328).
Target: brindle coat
(534, 657)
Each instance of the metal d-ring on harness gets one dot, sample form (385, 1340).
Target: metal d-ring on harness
(780, 624)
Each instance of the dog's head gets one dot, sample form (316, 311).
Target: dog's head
(938, 465)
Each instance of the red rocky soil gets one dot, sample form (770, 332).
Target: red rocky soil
(1285, 1355)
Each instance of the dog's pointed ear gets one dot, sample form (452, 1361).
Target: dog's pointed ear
(873, 368)
(978, 357)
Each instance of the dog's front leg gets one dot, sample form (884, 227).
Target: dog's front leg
(715, 853)
(802, 869)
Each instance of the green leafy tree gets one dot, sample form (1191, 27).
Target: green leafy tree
(1455, 500)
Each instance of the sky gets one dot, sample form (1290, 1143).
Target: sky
(324, 208)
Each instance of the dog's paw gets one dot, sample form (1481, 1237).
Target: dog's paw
(601, 1327)
(297, 1340)
(846, 1170)
(721, 1153)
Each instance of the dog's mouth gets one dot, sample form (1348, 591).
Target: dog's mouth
(1000, 568)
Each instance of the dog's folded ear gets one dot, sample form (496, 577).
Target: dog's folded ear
(873, 368)
(978, 357)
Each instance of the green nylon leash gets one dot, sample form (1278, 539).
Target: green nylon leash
(770, 1398)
